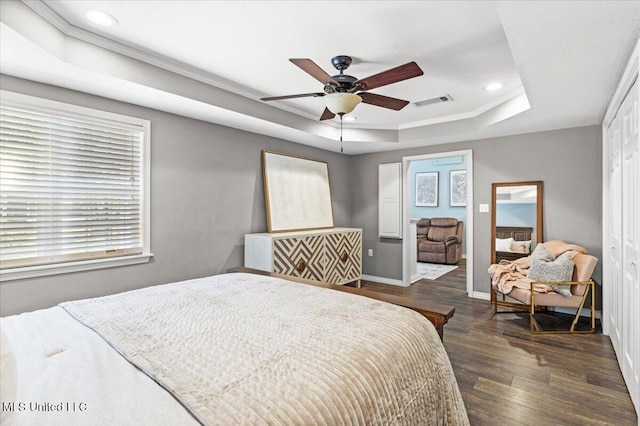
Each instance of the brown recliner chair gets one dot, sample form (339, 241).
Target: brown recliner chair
(440, 240)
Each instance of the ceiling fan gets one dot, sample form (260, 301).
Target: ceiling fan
(343, 92)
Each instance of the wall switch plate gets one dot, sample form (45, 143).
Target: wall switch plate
(484, 208)
(370, 252)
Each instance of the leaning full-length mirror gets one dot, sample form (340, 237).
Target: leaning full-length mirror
(516, 219)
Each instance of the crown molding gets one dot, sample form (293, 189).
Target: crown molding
(465, 115)
(152, 58)
(131, 50)
(629, 76)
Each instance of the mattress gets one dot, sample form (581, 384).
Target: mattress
(233, 349)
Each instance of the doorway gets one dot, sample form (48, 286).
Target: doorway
(408, 201)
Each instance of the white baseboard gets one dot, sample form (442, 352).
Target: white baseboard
(571, 311)
(481, 295)
(383, 280)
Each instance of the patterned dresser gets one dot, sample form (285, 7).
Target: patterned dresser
(328, 255)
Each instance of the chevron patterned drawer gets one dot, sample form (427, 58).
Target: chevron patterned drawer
(343, 257)
(300, 257)
(329, 255)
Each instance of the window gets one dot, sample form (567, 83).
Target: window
(73, 188)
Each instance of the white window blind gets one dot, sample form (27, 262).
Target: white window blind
(70, 187)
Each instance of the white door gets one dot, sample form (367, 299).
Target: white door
(630, 356)
(614, 275)
(390, 200)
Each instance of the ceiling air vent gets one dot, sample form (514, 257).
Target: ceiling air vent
(437, 100)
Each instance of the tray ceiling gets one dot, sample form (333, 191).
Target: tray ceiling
(558, 62)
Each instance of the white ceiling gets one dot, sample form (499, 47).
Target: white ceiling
(559, 62)
(247, 46)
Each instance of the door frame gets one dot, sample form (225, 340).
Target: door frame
(406, 215)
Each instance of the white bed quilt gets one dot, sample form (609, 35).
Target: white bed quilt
(63, 363)
(244, 349)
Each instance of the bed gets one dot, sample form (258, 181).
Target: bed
(513, 242)
(229, 349)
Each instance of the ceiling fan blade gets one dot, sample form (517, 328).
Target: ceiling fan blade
(383, 101)
(301, 95)
(327, 115)
(403, 72)
(311, 68)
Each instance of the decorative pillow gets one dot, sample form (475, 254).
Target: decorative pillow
(545, 268)
(541, 254)
(521, 246)
(503, 244)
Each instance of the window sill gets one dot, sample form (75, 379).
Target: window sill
(65, 268)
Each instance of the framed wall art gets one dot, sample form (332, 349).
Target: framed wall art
(458, 188)
(297, 193)
(427, 189)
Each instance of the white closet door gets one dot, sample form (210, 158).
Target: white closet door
(613, 304)
(630, 356)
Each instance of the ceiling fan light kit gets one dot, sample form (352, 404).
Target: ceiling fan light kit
(339, 91)
(341, 103)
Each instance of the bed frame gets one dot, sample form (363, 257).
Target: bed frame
(438, 314)
(518, 233)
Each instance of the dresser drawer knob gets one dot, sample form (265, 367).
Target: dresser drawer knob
(344, 257)
(302, 265)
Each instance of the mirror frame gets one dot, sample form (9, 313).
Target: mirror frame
(539, 199)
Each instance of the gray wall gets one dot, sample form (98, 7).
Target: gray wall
(206, 193)
(568, 162)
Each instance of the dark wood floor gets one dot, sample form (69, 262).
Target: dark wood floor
(509, 377)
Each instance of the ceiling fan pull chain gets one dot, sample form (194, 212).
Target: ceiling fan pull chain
(341, 147)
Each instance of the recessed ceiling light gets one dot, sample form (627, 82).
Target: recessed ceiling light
(101, 18)
(494, 86)
(350, 118)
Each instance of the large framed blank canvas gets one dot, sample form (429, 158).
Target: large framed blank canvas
(297, 193)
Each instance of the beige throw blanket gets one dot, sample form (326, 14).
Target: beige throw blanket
(241, 349)
(509, 274)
